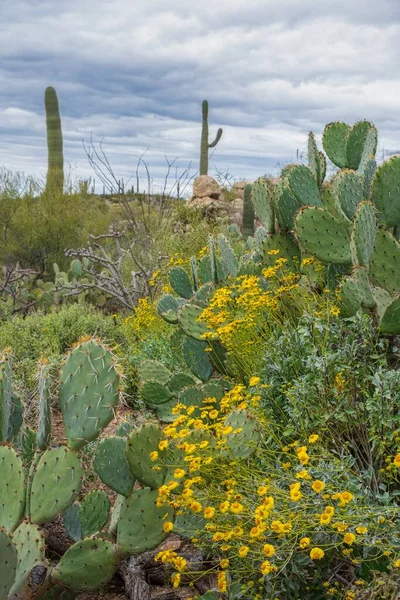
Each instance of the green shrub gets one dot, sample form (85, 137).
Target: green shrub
(50, 335)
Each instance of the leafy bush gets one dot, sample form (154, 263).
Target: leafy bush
(51, 335)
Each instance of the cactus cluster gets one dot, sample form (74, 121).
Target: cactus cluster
(350, 223)
(34, 494)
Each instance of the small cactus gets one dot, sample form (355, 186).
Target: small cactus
(89, 392)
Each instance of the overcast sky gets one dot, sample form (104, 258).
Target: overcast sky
(134, 72)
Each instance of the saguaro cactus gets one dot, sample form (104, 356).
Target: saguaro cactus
(55, 170)
(204, 140)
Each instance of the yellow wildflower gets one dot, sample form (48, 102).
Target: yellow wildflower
(318, 486)
(269, 550)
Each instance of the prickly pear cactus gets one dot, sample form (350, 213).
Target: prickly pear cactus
(281, 245)
(229, 262)
(6, 394)
(89, 392)
(347, 189)
(8, 564)
(179, 381)
(345, 145)
(385, 262)
(323, 235)
(385, 192)
(154, 393)
(245, 435)
(141, 524)
(12, 488)
(152, 370)
(30, 545)
(196, 358)
(141, 443)
(88, 517)
(111, 465)
(188, 319)
(363, 235)
(303, 186)
(180, 282)
(56, 484)
(168, 307)
(316, 160)
(87, 565)
(44, 422)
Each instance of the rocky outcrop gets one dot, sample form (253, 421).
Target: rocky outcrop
(209, 197)
(206, 187)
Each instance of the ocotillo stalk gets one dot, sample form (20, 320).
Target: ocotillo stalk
(204, 141)
(55, 171)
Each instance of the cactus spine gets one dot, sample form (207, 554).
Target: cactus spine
(205, 145)
(55, 171)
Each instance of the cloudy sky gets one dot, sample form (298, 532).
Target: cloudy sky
(134, 72)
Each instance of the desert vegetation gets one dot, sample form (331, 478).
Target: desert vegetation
(196, 406)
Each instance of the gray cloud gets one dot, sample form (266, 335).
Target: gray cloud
(135, 74)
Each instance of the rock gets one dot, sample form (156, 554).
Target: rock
(236, 215)
(239, 188)
(208, 202)
(205, 186)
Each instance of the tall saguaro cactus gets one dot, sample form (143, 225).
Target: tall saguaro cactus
(55, 171)
(204, 140)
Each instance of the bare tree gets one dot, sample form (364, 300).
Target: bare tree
(105, 265)
(175, 177)
(15, 284)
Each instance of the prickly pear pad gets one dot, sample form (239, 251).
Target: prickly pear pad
(323, 236)
(88, 392)
(390, 321)
(363, 234)
(140, 444)
(87, 565)
(111, 465)
(30, 545)
(8, 564)
(245, 434)
(385, 192)
(385, 262)
(12, 488)
(334, 141)
(141, 523)
(56, 484)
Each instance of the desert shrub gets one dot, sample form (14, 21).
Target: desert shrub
(38, 230)
(281, 514)
(50, 335)
(340, 377)
(290, 483)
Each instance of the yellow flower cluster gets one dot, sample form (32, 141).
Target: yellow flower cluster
(145, 320)
(257, 515)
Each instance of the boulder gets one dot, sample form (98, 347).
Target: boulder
(239, 188)
(205, 186)
(212, 203)
(236, 214)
